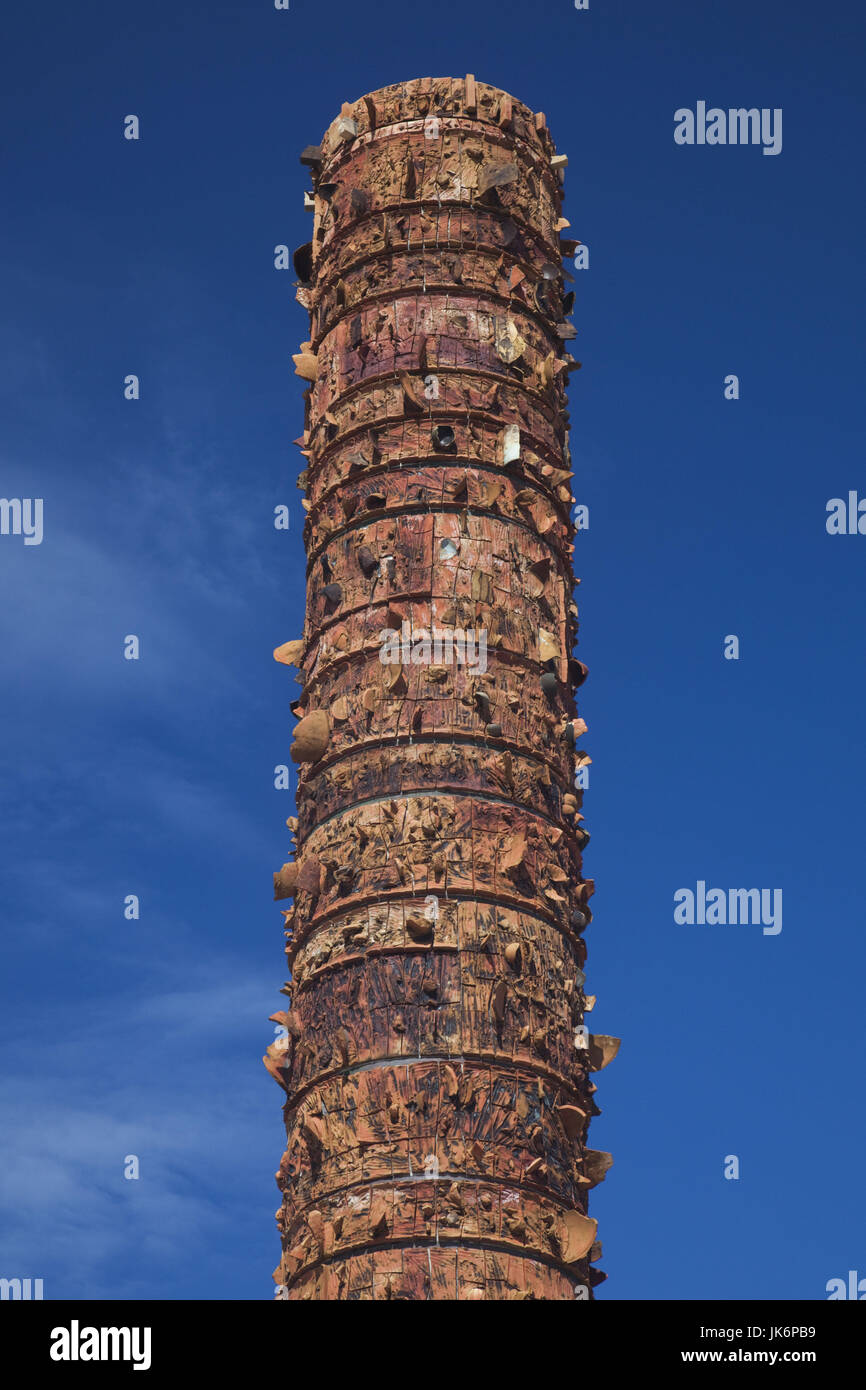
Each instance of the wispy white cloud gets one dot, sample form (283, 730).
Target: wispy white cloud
(171, 1077)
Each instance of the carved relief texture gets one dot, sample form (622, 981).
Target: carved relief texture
(436, 1059)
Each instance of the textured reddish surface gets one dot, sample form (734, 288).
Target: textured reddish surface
(437, 1096)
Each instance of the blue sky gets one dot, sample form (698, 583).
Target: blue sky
(707, 518)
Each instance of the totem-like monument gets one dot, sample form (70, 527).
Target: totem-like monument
(436, 1059)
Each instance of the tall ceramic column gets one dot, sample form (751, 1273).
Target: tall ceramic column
(436, 1060)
